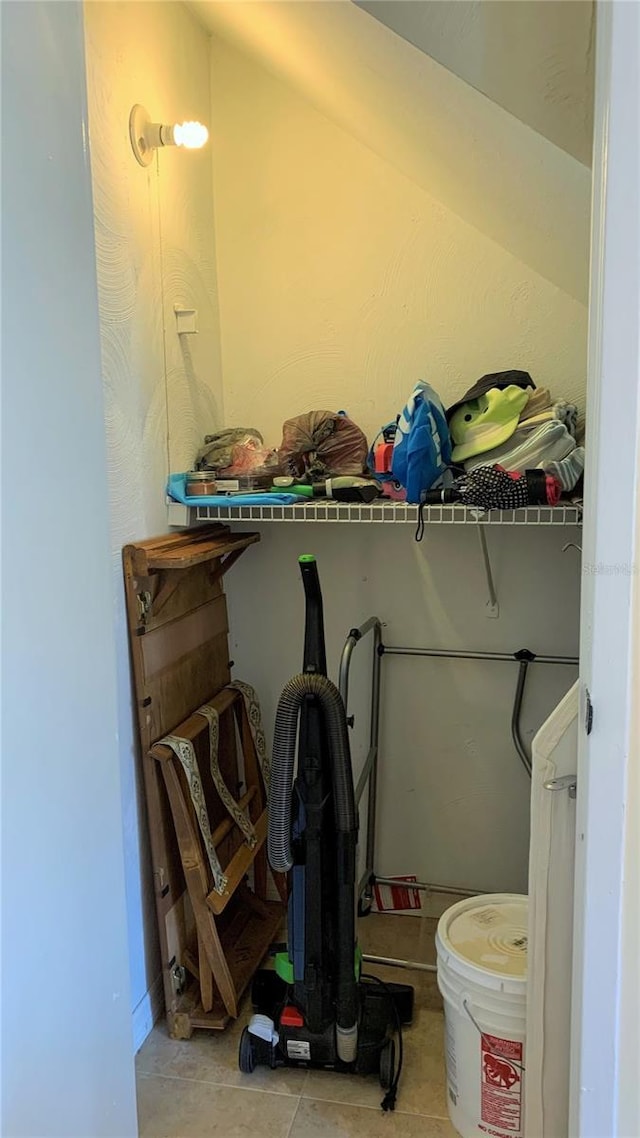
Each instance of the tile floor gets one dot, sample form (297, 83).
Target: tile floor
(194, 1089)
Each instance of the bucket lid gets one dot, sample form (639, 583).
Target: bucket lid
(489, 933)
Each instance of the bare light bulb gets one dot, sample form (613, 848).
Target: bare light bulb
(147, 137)
(191, 135)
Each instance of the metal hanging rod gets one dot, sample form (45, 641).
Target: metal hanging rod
(425, 886)
(355, 635)
(368, 782)
(393, 962)
(463, 654)
(368, 776)
(523, 658)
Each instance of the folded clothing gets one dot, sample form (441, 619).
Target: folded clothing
(569, 470)
(177, 489)
(560, 412)
(539, 400)
(566, 413)
(528, 449)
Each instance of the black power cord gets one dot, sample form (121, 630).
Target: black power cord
(389, 1100)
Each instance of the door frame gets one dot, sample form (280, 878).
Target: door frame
(604, 1092)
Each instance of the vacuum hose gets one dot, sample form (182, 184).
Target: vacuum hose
(282, 763)
(346, 823)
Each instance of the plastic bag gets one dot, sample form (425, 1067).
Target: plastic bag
(250, 457)
(320, 444)
(218, 451)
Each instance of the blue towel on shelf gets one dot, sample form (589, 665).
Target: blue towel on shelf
(177, 489)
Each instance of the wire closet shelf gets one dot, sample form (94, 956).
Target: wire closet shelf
(397, 513)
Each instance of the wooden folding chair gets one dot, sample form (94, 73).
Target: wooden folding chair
(227, 956)
(178, 630)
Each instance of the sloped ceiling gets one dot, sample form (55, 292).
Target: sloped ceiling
(485, 164)
(535, 59)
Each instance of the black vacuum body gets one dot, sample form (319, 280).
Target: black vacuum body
(316, 1009)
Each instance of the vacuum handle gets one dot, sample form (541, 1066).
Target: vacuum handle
(315, 658)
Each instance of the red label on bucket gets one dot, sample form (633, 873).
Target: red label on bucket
(501, 1077)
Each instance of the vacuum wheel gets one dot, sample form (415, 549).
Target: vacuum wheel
(387, 1064)
(246, 1056)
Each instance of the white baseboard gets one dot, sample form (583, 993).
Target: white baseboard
(147, 1012)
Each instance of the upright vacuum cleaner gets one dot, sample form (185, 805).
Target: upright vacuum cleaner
(317, 1008)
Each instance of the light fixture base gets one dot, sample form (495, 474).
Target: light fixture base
(139, 123)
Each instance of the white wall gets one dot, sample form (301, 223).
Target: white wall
(155, 248)
(341, 282)
(460, 147)
(534, 59)
(67, 1055)
(344, 281)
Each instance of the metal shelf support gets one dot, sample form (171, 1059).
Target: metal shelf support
(493, 608)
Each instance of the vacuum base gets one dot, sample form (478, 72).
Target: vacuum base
(269, 993)
(289, 1042)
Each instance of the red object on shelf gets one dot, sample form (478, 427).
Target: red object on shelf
(291, 1017)
(383, 455)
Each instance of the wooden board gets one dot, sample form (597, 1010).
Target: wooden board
(184, 550)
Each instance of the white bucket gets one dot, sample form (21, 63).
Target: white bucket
(481, 945)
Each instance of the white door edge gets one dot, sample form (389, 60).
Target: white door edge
(602, 1072)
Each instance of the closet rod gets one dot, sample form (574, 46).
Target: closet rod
(393, 962)
(523, 658)
(454, 654)
(451, 890)
(368, 778)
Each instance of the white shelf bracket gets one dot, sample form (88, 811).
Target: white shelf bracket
(178, 515)
(492, 608)
(186, 320)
